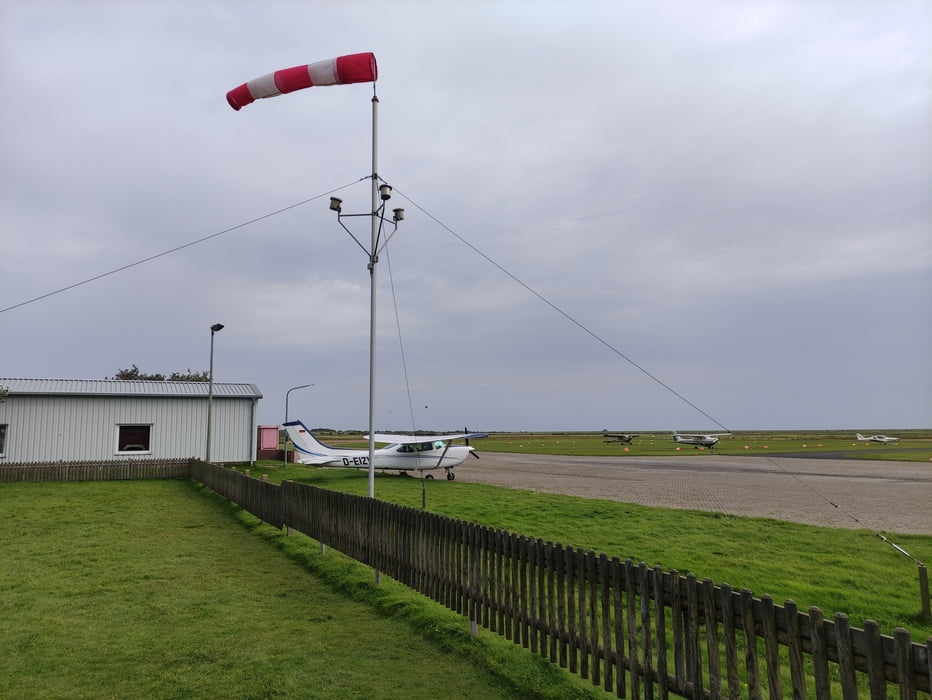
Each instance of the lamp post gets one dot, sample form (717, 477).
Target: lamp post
(303, 386)
(210, 386)
(381, 192)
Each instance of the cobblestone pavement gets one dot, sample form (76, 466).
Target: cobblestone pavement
(855, 494)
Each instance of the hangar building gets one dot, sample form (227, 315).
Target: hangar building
(50, 420)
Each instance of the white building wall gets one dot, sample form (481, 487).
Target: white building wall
(53, 428)
(234, 431)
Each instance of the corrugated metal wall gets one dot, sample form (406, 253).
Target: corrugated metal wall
(52, 428)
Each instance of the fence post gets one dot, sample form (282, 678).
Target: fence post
(924, 592)
(474, 596)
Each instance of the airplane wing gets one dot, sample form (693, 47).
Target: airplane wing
(407, 439)
(700, 435)
(624, 438)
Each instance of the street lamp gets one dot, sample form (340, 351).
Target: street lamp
(210, 386)
(303, 386)
(381, 193)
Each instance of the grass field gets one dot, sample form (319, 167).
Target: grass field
(154, 589)
(836, 570)
(915, 445)
(161, 589)
(850, 571)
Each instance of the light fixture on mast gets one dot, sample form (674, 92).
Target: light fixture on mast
(216, 328)
(377, 244)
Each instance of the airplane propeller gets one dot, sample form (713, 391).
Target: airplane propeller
(466, 430)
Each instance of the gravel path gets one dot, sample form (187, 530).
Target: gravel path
(853, 494)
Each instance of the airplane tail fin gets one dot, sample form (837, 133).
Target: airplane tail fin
(861, 437)
(307, 448)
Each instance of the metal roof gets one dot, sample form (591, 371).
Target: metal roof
(126, 387)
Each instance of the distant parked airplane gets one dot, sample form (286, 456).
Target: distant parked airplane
(882, 439)
(623, 438)
(698, 439)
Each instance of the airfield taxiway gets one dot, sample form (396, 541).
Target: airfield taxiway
(882, 496)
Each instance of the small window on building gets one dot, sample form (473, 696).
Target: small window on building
(2, 439)
(134, 438)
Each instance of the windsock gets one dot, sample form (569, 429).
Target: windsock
(354, 68)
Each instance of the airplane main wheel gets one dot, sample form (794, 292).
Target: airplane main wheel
(430, 477)
(450, 476)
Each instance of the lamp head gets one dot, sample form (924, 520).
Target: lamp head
(216, 327)
(385, 191)
(336, 204)
(399, 214)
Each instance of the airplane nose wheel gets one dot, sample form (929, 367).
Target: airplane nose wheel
(429, 477)
(450, 476)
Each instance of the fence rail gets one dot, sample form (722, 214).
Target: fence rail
(262, 499)
(633, 630)
(96, 470)
(627, 627)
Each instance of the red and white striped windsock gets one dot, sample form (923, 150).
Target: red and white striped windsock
(355, 68)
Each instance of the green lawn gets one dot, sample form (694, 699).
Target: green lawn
(837, 570)
(154, 589)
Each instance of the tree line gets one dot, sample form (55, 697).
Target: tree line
(187, 376)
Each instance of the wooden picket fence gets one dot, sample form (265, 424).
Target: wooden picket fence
(635, 631)
(96, 470)
(259, 497)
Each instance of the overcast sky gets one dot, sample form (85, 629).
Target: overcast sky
(720, 213)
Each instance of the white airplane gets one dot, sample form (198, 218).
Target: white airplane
(623, 438)
(698, 439)
(882, 439)
(403, 452)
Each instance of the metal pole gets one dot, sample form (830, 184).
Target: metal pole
(373, 261)
(210, 395)
(210, 388)
(303, 386)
